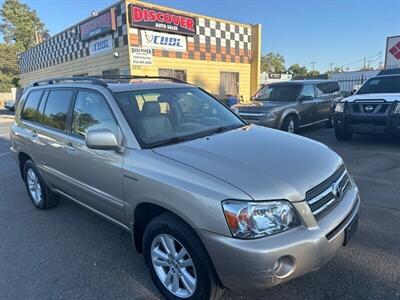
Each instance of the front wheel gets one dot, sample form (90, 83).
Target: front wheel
(290, 124)
(343, 135)
(178, 263)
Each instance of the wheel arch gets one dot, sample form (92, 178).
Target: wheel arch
(288, 113)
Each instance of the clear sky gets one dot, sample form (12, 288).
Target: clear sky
(342, 32)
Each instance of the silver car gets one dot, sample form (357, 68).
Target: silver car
(210, 201)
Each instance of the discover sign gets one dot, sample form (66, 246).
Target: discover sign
(165, 41)
(161, 20)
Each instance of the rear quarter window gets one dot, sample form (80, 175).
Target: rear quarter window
(29, 112)
(328, 89)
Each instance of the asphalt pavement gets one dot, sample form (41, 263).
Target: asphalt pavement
(69, 253)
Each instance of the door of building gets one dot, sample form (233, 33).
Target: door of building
(229, 83)
(178, 74)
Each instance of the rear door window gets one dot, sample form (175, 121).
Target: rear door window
(57, 108)
(29, 113)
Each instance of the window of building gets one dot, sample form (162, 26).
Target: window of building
(229, 83)
(92, 112)
(110, 73)
(178, 74)
(31, 104)
(56, 109)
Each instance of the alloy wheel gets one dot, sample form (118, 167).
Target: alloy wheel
(173, 265)
(35, 189)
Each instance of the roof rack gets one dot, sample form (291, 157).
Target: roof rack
(130, 77)
(389, 72)
(90, 79)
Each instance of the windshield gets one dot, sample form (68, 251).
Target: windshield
(165, 116)
(388, 84)
(278, 93)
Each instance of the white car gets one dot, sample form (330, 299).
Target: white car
(9, 104)
(373, 109)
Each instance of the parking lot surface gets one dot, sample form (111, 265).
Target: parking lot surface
(69, 253)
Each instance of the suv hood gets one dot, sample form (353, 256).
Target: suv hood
(266, 164)
(387, 97)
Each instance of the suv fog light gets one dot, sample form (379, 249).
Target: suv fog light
(284, 266)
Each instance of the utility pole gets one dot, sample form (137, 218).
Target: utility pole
(365, 63)
(380, 60)
(331, 64)
(313, 65)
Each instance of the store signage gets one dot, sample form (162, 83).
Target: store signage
(161, 20)
(142, 56)
(165, 41)
(98, 25)
(392, 52)
(101, 45)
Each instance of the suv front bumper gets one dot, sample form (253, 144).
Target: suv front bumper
(246, 264)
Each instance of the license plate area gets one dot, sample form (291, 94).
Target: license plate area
(350, 230)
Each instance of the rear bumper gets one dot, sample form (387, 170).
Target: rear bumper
(249, 264)
(389, 124)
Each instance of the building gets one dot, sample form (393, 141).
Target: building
(137, 38)
(266, 78)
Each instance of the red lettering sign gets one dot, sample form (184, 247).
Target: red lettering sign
(161, 20)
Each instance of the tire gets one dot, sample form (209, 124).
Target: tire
(41, 196)
(164, 229)
(342, 135)
(290, 124)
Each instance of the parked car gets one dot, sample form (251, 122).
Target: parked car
(291, 105)
(9, 104)
(210, 201)
(373, 109)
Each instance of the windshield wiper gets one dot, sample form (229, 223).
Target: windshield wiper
(225, 128)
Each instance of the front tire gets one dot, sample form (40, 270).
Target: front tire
(342, 135)
(178, 263)
(290, 124)
(39, 193)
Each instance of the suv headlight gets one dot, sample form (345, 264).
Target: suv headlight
(250, 220)
(397, 109)
(339, 107)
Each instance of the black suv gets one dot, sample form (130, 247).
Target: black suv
(373, 109)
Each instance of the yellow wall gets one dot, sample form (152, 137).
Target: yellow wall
(202, 73)
(93, 65)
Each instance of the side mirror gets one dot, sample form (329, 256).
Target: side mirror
(101, 139)
(353, 92)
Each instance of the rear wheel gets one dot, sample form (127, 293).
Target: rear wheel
(178, 262)
(290, 124)
(343, 135)
(39, 193)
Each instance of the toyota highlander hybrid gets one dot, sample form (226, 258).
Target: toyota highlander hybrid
(210, 201)
(374, 109)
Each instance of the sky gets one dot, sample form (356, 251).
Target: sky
(341, 32)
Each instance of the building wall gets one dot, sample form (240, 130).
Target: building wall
(65, 54)
(219, 46)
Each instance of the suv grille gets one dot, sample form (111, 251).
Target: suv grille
(329, 193)
(370, 107)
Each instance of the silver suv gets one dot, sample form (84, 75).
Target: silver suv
(211, 201)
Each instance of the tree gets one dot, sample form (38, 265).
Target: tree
(8, 67)
(297, 70)
(313, 73)
(273, 63)
(20, 25)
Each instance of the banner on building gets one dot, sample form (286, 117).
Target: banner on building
(157, 19)
(101, 45)
(164, 41)
(142, 56)
(101, 24)
(392, 59)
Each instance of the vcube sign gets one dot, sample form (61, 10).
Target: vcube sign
(164, 41)
(392, 52)
(156, 19)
